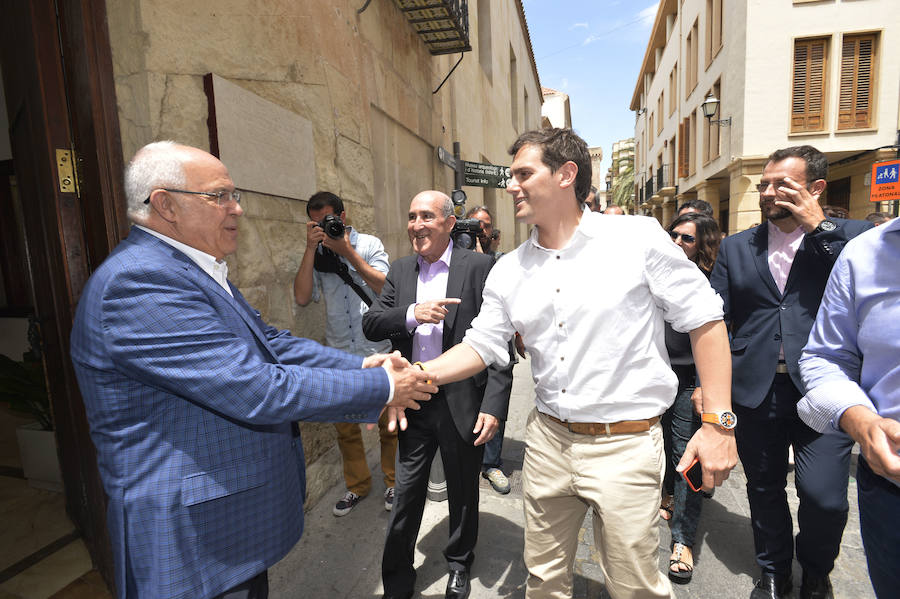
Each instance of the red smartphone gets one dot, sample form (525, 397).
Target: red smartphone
(693, 475)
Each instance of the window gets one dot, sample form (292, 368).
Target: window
(711, 132)
(690, 71)
(808, 85)
(713, 29)
(685, 144)
(513, 90)
(857, 81)
(659, 110)
(673, 83)
(485, 54)
(650, 128)
(525, 109)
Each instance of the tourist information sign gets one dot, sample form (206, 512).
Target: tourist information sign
(478, 174)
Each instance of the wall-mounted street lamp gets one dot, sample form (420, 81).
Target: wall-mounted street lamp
(641, 111)
(710, 106)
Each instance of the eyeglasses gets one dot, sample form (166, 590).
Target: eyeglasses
(221, 197)
(684, 237)
(761, 187)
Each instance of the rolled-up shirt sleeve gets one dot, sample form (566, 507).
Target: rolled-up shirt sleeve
(831, 361)
(491, 330)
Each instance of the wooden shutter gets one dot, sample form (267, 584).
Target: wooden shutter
(682, 168)
(855, 103)
(808, 85)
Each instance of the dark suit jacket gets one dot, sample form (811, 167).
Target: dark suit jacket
(386, 319)
(760, 318)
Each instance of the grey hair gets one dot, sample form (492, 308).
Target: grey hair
(158, 164)
(446, 204)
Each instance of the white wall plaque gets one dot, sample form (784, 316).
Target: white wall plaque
(267, 148)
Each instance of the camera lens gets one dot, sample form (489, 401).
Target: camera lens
(332, 226)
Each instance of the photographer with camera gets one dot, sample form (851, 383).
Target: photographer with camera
(349, 269)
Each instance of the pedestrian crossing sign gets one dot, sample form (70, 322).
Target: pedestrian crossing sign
(885, 184)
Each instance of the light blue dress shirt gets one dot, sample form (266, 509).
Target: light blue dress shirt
(853, 353)
(343, 307)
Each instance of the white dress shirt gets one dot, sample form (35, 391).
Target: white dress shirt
(218, 270)
(591, 316)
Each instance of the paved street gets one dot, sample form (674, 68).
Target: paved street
(341, 557)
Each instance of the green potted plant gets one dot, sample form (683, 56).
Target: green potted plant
(24, 389)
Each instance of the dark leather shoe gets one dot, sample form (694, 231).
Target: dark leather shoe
(458, 586)
(772, 586)
(815, 588)
(408, 595)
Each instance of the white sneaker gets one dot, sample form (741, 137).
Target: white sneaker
(389, 498)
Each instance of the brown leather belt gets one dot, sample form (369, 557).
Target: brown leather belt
(607, 428)
(781, 368)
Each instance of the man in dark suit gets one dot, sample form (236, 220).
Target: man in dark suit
(771, 279)
(426, 305)
(191, 396)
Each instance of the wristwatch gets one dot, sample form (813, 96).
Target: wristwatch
(726, 419)
(825, 225)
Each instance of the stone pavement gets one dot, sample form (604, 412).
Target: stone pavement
(341, 557)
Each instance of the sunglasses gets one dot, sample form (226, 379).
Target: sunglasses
(684, 236)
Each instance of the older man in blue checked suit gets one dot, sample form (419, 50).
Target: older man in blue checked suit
(191, 397)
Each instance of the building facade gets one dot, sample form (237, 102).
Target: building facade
(620, 175)
(358, 97)
(555, 111)
(785, 73)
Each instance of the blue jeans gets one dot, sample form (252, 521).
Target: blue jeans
(879, 503)
(679, 423)
(493, 448)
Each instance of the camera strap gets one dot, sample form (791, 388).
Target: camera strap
(327, 261)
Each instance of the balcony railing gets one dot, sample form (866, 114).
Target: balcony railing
(442, 24)
(664, 176)
(650, 187)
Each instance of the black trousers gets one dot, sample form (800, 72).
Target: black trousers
(429, 429)
(255, 588)
(821, 472)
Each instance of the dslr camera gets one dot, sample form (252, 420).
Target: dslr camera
(332, 226)
(466, 232)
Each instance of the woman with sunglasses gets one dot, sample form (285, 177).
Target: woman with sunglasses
(698, 235)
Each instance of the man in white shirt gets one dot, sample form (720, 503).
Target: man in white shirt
(599, 364)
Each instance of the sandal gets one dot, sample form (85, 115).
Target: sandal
(678, 559)
(666, 507)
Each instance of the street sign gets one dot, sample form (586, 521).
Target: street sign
(478, 174)
(446, 157)
(885, 185)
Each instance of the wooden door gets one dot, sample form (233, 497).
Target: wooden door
(57, 77)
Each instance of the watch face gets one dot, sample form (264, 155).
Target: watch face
(728, 420)
(827, 225)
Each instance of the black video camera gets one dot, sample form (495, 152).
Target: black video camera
(466, 232)
(332, 226)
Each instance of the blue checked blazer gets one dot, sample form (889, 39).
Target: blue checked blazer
(190, 397)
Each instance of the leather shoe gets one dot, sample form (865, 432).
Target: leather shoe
(408, 595)
(458, 586)
(813, 587)
(772, 586)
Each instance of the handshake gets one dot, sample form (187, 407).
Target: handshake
(411, 385)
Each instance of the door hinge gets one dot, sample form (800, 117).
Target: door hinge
(65, 170)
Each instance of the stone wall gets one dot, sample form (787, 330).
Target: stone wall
(365, 81)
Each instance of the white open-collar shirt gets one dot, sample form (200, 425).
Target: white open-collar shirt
(591, 316)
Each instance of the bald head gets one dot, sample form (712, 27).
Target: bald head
(430, 222)
(614, 210)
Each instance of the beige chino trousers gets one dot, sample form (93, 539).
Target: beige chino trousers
(619, 477)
